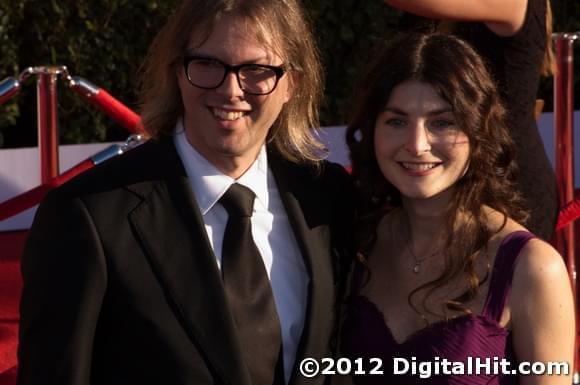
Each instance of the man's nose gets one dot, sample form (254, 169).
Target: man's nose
(230, 87)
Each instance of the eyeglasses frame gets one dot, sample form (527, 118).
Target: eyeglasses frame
(279, 71)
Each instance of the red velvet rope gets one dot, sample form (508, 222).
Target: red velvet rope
(568, 214)
(117, 111)
(108, 105)
(32, 197)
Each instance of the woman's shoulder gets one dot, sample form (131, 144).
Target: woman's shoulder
(535, 253)
(537, 258)
(541, 305)
(539, 282)
(537, 267)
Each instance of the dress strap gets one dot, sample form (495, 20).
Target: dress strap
(502, 273)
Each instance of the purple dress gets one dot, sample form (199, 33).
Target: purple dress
(365, 335)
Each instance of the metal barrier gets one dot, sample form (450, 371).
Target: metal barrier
(46, 91)
(564, 133)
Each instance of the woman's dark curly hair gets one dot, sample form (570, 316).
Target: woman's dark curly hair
(458, 74)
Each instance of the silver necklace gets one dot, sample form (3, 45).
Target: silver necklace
(418, 261)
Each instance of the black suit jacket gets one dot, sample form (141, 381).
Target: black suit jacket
(121, 286)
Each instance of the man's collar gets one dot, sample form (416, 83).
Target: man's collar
(209, 183)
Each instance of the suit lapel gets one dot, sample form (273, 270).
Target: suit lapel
(168, 224)
(307, 212)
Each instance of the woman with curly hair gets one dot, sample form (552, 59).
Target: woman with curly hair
(446, 269)
(514, 37)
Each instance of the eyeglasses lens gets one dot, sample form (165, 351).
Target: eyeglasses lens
(252, 78)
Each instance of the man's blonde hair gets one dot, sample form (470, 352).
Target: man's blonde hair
(280, 24)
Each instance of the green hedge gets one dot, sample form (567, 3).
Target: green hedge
(105, 41)
(102, 41)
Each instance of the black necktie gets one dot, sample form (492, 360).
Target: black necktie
(248, 291)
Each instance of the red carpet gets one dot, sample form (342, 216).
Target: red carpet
(11, 244)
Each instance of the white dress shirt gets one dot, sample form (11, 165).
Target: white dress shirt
(271, 231)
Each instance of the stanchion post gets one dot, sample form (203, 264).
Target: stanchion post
(564, 132)
(46, 94)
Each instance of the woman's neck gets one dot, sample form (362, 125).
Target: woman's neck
(425, 217)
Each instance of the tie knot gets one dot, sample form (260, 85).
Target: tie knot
(238, 200)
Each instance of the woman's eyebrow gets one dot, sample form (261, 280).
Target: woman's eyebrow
(398, 111)
(439, 111)
(395, 110)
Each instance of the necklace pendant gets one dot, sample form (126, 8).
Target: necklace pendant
(416, 268)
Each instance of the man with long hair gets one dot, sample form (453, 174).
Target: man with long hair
(212, 253)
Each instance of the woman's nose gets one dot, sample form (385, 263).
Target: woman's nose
(418, 140)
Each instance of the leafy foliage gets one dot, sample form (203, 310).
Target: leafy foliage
(347, 31)
(105, 42)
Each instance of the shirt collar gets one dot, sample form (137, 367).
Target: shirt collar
(208, 183)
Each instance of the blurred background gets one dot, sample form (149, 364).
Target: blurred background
(105, 41)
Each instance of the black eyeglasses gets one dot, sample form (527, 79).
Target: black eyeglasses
(210, 73)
